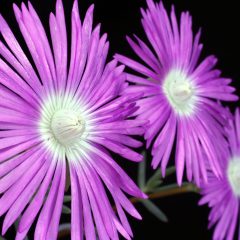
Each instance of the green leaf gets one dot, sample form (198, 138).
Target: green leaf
(157, 175)
(167, 187)
(155, 180)
(142, 172)
(150, 186)
(67, 198)
(66, 210)
(170, 171)
(152, 208)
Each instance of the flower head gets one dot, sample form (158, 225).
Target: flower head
(62, 119)
(180, 94)
(223, 195)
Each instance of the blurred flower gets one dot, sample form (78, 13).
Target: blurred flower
(57, 121)
(223, 195)
(180, 94)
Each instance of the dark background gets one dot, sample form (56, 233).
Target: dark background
(220, 35)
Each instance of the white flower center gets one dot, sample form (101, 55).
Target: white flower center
(180, 92)
(67, 126)
(64, 124)
(233, 174)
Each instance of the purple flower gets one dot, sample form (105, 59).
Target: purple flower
(180, 94)
(58, 123)
(223, 195)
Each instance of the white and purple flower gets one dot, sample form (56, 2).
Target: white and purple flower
(62, 119)
(180, 95)
(223, 195)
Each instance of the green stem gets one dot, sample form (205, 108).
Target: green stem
(168, 191)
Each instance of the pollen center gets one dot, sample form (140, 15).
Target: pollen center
(233, 174)
(180, 92)
(67, 126)
(64, 124)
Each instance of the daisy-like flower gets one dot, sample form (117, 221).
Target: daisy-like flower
(223, 195)
(58, 122)
(180, 94)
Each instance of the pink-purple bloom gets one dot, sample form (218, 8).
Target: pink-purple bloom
(181, 94)
(223, 195)
(62, 119)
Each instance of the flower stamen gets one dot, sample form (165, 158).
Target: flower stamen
(64, 123)
(233, 175)
(67, 126)
(180, 92)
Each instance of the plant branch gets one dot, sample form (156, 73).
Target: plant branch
(168, 191)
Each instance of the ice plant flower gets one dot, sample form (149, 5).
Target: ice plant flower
(60, 120)
(180, 94)
(223, 195)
